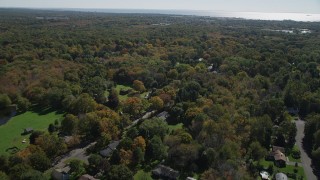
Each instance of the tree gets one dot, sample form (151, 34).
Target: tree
(34, 135)
(125, 156)
(139, 142)
(69, 124)
(189, 92)
(23, 104)
(4, 163)
(133, 106)
(51, 144)
(113, 99)
(96, 86)
(32, 175)
(96, 164)
(138, 86)
(17, 171)
(152, 127)
(120, 172)
(51, 128)
(261, 130)
(256, 151)
(39, 161)
(286, 134)
(137, 156)
(83, 104)
(156, 103)
(76, 169)
(3, 176)
(183, 155)
(5, 101)
(156, 150)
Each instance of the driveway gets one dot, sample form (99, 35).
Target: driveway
(79, 153)
(305, 160)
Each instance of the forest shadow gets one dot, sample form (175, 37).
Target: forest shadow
(41, 110)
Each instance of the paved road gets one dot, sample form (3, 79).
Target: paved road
(306, 161)
(79, 153)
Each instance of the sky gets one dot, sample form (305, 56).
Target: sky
(279, 6)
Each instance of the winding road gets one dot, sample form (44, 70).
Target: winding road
(305, 160)
(80, 153)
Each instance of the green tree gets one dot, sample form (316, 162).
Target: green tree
(76, 169)
(137, 156)
(156, 150)
(51, 144)
(39, 161)
(69, 124)
(190, 92)
(23, 104)
(17, 171)
(113, 99)
(5, 101)
(83, 104)
(120, 172)
(3, 176)
(32, 175)
(152, 127)
(256, 151)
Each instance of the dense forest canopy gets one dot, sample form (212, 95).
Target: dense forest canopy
(230, 83)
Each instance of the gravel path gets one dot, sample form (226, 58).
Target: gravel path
(306, 161)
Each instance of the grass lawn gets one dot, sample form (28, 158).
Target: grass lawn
(175, 127)
(286, 170)
(141, 175)
(10, 132)
(289, 169)
(291, 159)
(118, 88)
(295, 148)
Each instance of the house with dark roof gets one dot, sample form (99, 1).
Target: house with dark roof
(165, 172)
(163, 115)
(61, 174)
(111, 147)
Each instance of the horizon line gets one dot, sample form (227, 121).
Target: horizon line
(198, 10)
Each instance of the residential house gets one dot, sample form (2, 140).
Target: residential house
(164, 172)
(163, 115)
(277, 155)
(87, 177)
(111, 147)
(61, 174)
(279, 159)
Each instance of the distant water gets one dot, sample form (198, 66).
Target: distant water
(244, 15)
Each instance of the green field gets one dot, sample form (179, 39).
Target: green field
(141, 175)
(123, 97)
(10, 132)
(175, 127)
(286, 170)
